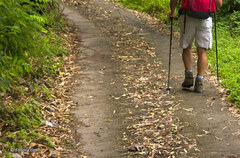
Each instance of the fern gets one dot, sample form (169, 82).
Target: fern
(38, 19)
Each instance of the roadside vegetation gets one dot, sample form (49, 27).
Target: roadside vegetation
(32, 53)
(228, 31)
(31, 57)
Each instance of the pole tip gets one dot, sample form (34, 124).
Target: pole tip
(168, 90)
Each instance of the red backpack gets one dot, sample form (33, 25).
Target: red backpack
(201, 9)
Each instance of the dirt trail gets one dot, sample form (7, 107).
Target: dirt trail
(102, 129)
(101, 94)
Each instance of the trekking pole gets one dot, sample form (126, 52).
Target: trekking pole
(170, 56)
(215, 21)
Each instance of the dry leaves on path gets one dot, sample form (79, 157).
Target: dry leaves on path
(154, 131)
(54, 136)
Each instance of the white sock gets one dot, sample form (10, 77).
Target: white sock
(188, 71)
(200, 77)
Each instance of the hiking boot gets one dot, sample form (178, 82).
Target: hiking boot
(198, 88)
(188, 81)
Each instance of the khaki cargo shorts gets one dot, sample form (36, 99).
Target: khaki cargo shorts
(198, 29)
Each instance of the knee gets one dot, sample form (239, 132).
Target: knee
(188, 50)
(201, 51)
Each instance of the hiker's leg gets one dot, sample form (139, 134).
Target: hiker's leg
(202, 61)
(201, 67)
(203, 41)
(187, 57)
(187, 60)
(186, 40)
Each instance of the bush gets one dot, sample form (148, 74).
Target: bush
(27, 43)
(30, 52)
(229, 6)
(235, 23)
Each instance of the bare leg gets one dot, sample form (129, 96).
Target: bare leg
(202, 61)
(187, 60)
(187, 57)
(201, 67)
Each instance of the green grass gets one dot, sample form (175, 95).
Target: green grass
(228, 42)
(158, 8)
(229, 61)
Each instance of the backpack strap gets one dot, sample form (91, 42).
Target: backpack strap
(191, 4)
(209, 9)
(185, 21)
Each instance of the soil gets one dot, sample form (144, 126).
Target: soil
(103, 94)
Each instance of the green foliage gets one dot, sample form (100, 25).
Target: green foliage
(23, 134)
(27, 42)
(17, 26)
(50, 142)
(14, 140)
(159, 8)
(29, 48)
(22, 120)
(229, 6)
(235, 23)
(229, 47)
(21, 116)
(229, 59)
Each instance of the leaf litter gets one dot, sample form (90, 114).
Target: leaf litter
(54, 134)
(153, 129)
